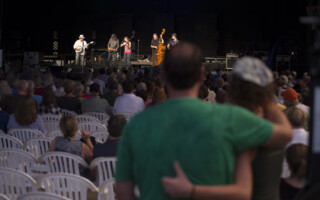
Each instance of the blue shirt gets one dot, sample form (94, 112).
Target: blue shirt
(38, 124)
(37, 98)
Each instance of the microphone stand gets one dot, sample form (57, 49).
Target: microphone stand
(138, 48)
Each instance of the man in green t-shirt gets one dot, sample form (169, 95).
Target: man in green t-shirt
(203, 138)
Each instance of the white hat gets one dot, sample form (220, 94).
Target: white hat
(81, 36)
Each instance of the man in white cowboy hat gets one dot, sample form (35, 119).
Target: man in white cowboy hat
(80, 49)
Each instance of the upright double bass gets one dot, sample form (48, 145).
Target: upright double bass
(160, 50)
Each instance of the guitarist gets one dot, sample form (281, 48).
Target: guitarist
(80, 49)
(113, 46)
(174, 41)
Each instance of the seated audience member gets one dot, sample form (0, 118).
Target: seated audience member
(95, 103)
(146, 156)
(69, 126)
(38, 88)
(103, 75)
(297, 118)
(4, 118)
(112, 94)
(59, 91)
(49, 103)
(211, 98)
(5, 89)
(296, 156)
(142, 92)
(48, 81)
(159, 96)
(69, 102)
(203, 92)
(222, 96)
(37, 98)
(10, 102)
(25, 116)
(128, 102)
(109, 149)
(290, 98)
(96, 79)
(78, 91)
(87, 81)
(302, 106)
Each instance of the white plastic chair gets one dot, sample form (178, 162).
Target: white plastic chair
(50, 118)
(2, 132)
(54, 134)
(62, 162)
(7, 141)
(57, 133)
(91, 127)
(100, 116)
(14, 183)
(86, 119)
(4, 197)
(66, 112)
(105, 168)
(107, 190)
(128, 116)
(41, 196)
(24, 134)
(68, 185)
(17, 159)
(100, 136)
(38, 146)
(51, 126)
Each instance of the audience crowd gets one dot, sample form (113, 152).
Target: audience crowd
(179, 131)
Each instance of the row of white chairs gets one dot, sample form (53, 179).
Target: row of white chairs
(15, 184)
(56, 162)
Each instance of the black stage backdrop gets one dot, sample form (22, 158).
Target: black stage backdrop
(217, 26)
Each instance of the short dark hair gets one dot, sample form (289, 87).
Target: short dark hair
(96, 74)
(112, 84)
(182, 66)
(94, 88)
(68, 86)
(115, 125)
(174, 34)
(127, 86)
(102, 70)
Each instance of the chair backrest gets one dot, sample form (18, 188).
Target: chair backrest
(41, 196)
(68, 185)
(107, 190)
(100, 136)
(68, 112)
(17, 159)
(7, 141)
(38, 146)
(51, 126)
(86, 119)
(14, 183)
(2, 132)
(54, 134)
(23, 134)
(91, 127)
(128, 116)
(62, 162)
(100, 116)
(105, 168)
(57, 133)
(4, 197)
(50, 118)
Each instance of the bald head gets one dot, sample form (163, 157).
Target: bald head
(182, 66)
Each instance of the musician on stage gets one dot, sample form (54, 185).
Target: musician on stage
(154, 46)
(127, 52)
(113, 46)
(80, 49)
(174, 41)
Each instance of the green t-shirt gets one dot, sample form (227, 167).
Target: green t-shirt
(203, 137)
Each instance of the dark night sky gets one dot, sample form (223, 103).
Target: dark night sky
(217, 26)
